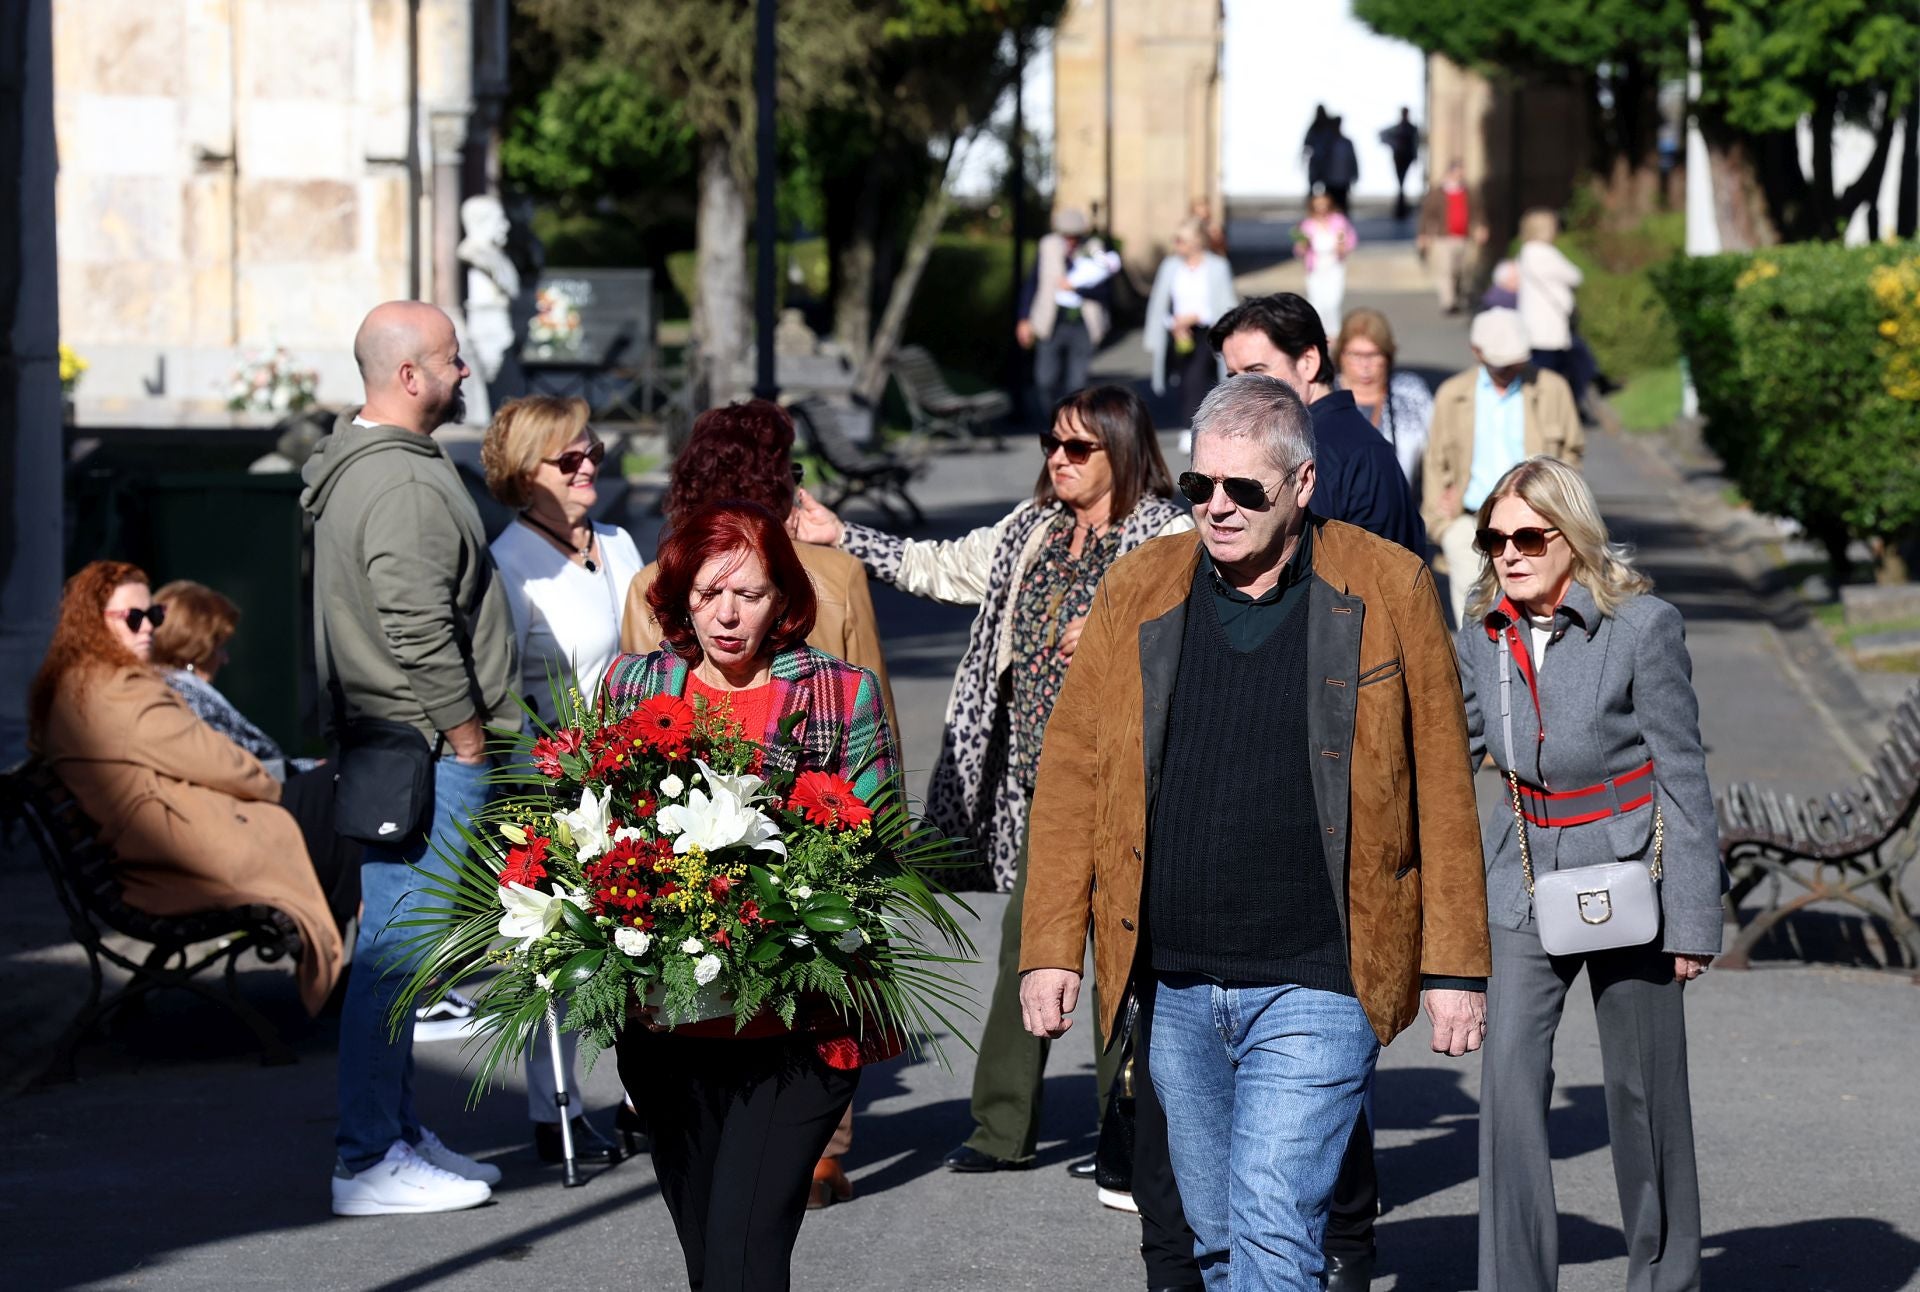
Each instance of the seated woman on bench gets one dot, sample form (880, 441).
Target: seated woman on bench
(195, 821)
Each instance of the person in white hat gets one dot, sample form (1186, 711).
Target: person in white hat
(1486, 421)
(1063, 315)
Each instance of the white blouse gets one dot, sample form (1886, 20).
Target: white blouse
(566, 619)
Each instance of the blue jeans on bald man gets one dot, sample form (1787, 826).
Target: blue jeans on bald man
(376, 1063)
(1261, 1086)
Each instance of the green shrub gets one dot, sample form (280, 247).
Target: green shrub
(1620, 311)
(1804, 394)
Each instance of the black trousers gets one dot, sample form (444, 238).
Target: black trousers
(1356, 1197)
(308, 797)
(1196, 371)
(735, 1127)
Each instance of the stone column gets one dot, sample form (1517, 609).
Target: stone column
(445, 57)
(30, 422)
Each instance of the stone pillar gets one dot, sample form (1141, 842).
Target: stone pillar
(445, 60)
(30, 422)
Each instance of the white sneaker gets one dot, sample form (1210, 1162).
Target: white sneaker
(451, 1018)
(1119, 1201)
(403, 1183)
(438, 1154)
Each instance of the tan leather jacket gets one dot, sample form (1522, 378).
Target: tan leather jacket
(1394, 792)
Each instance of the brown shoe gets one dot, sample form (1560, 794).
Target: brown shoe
(830, 1184)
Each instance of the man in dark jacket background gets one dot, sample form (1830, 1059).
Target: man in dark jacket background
(1360, 480)
(412, 628)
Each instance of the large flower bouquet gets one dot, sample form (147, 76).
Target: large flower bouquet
(656, 861)
(269, 382)
(556, 327)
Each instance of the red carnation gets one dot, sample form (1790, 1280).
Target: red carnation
(663, 721)
(719, 886)
(828, 800)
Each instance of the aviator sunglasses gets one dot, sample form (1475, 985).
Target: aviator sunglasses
(1077, 451)
(1241, 490)
(155, 615)
(1530, 541)
(569, 462)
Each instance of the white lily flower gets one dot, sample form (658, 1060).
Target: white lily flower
(707, 970)
(692, 946)
(747, 787)
(721, 816)
(530, 913)
(543, 982)
(588, 824)
(513, 834)
(632, 941)
(672, 787)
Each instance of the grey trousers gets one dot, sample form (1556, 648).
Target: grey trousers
(1060, 364)
(1643, 1053)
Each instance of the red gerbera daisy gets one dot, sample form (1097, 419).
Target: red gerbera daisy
(523, 864)
(663, 721)
(828, 800)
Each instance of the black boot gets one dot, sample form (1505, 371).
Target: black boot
(590, 1147)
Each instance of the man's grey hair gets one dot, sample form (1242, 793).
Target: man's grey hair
(1263, 409)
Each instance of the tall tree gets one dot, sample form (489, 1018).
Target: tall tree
(700, 56)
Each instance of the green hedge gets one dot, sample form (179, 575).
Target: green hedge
(1620, 309)
(1802, 359)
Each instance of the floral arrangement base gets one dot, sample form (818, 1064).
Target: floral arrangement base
(708, 1004)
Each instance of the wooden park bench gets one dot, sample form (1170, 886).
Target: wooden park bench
(1853, 847)
(936, 408)
(183, 947)
(833, 429)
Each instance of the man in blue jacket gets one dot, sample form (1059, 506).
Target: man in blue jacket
(1360, 480)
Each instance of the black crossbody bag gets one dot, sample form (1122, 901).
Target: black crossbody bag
(383, 776)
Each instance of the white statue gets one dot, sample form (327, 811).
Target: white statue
(493, 283)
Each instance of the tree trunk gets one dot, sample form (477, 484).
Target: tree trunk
(855, 267)
(872, 379)
(1907, 218)
(1739, 202)
(1867, 187)
(720, 276)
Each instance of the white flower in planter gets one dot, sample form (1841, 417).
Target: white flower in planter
(707, 969)
(672, 788)
(632, 941)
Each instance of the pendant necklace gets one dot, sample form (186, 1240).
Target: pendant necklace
(584, 553)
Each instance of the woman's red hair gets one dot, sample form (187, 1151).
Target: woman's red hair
(82, 643)
(742, 451)
(717, 530)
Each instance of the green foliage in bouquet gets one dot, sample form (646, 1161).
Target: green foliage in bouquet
(659, 862)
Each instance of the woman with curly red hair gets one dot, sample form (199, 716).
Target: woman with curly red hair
(192, 818)
(737, 1122)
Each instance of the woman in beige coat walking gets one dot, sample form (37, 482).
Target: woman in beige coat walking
(193, 819)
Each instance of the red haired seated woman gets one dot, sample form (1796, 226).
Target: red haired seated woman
(736, 1122)
(193, 818)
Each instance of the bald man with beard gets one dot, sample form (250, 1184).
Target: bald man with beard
(416, 654)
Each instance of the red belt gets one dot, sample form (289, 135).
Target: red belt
(1557, 811)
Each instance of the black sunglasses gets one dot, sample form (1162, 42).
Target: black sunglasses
(1077, 451)
(569, 462)
(1530, 541)
(1241, 491)
(799, 473)
(155, 615)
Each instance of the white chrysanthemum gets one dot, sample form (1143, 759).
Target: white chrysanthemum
(707, 970)
(631, 941)
(692, 946)
(672, 788)
(799, 892)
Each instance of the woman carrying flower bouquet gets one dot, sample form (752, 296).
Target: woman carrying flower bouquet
(738, 1117)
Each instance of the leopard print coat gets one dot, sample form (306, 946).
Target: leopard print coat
(972, 795)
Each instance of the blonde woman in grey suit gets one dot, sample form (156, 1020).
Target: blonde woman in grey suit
(1597, 729)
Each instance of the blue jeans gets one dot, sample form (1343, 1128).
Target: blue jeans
(376, 1063)
(1265, 1082)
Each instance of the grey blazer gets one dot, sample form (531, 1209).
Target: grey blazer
(1615, 691)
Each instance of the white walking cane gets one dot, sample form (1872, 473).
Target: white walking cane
(562, 1098)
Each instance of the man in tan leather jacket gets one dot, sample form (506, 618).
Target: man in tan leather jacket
(1260, 752)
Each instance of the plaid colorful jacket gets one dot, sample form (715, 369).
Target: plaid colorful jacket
(844, 728)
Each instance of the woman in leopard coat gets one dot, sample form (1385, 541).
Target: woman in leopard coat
(1103, 490)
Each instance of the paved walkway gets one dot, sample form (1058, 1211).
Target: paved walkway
(179, 1163)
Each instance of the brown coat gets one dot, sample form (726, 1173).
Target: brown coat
(1552, 427)
(193, 818)
(1392, 785)
(844, 625)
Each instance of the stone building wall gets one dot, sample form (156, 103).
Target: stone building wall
(1166, 116)
(241, 174)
